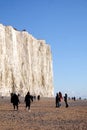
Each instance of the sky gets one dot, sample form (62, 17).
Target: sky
(63, 25)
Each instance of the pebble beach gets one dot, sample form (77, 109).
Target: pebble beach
(43, 115)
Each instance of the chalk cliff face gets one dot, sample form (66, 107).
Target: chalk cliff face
(25, 64)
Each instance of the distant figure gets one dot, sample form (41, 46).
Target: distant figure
(58, 100)
(74, 98)
(79, 98)
(38, 97)
(65, 99)
(34, 97)
(15, 100)
(28, 99)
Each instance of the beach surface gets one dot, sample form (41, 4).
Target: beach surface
(43, 115)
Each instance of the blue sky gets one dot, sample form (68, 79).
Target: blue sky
(63, 24)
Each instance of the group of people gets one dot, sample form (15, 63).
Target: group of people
(15, 100)
(59, 97)
(29, 98)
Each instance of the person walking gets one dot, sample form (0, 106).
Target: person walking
(28, 99)
(15, 100)
(65, 99)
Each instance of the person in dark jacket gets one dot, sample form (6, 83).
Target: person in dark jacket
(57, 100)
(15, 101)
(28, 99)
(65, 99)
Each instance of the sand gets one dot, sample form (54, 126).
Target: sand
(44, 115)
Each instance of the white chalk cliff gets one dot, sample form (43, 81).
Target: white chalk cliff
(25, 64)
